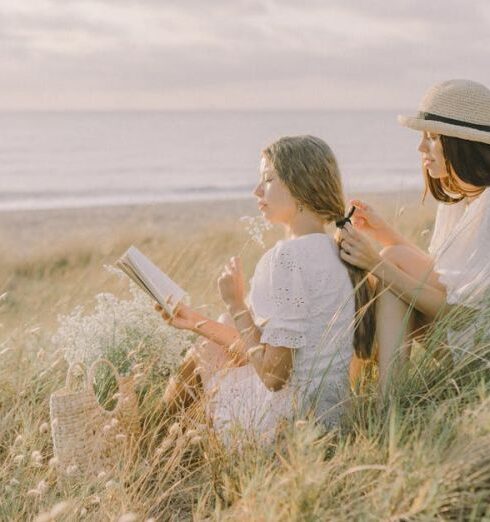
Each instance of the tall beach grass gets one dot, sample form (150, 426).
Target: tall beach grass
(423, 453)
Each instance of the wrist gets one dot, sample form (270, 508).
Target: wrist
(379, 268)
(198, 321)
(391, 237)
(236, 307)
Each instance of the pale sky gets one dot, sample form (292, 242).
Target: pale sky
(236, 54)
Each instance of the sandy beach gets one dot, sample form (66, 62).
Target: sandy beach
(53, 260)
(26, 232)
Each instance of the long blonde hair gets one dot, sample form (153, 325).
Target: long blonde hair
(308, 168)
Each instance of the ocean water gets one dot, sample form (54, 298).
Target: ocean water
(76, 159)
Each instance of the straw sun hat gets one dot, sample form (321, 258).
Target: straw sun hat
(457, 108)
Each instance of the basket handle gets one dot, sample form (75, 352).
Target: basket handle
(70, 373)
(91, 377)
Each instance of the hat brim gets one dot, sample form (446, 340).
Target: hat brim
(438, 127)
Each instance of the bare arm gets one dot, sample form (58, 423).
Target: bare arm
(273, 364)
(367, 220)
(428, 299)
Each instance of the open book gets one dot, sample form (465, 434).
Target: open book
(158, 285)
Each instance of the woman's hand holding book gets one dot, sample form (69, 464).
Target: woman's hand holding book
(184, 317)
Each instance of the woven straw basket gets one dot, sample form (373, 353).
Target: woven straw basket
(87, 439)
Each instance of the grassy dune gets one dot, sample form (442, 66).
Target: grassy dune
(424, 454)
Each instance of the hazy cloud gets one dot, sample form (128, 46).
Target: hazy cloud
(106, 54)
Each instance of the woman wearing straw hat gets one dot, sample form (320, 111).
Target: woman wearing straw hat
(454, 118)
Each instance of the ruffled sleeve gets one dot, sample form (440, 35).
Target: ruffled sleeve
(287, 323)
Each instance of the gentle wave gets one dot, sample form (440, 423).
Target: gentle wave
(89, 159)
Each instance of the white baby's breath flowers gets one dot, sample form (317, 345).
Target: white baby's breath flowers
(255, 227)
(116, 326)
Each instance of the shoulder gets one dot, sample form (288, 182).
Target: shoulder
(304, 252)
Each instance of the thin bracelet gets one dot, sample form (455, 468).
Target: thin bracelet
(252, 351)
(240, 314)
(232, 348)
(247, 330)
(201, 323)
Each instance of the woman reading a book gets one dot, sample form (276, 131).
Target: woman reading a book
(284, 349)
(454, 277)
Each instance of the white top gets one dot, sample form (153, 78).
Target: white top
(460, 247)
(300, 297)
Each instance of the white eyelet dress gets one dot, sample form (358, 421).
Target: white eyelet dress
(460, 247)
(301, 298)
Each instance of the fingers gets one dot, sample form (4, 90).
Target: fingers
(233, 267)
(360, 205)
(161, 311)
(347, 246)
(166, 317)
(362, 214)
(237, 264)
(347, 256)
(358, 222)
(348, 231)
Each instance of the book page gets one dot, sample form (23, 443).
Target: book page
(151, 279)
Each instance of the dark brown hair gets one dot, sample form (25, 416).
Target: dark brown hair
(308, 168)
(467, 161)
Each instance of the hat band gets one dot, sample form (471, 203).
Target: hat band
(435, 117)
